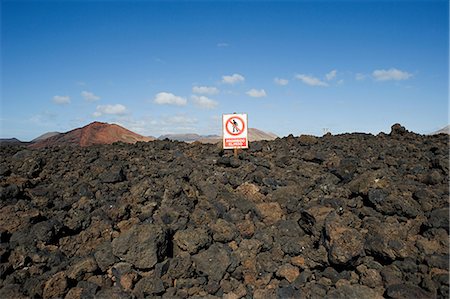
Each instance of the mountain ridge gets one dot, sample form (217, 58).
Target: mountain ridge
(45, 136)
(253, 135)
(91, 134)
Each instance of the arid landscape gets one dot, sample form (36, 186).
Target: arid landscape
(339, 216)
(104, 133)
(224, 149)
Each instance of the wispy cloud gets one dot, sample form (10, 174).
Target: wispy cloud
(391, 74)
(233, 79)
(44, 118)
(167, 98)
(310, 80)
(204, 102)
(89, 96)
(222, 45)
(331, 75)
(116, 109)
(159, 60)
(143, 126)
(360, 76)
(209, 90)
(281, 81)
(61, 100)
(256, 93)
(179, 119)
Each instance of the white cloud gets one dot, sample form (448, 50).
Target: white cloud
(281, 81)
(167, 98)
(235, 78)
(309, 80)
(44, 118)
(391, 74)
(61, 100)
(331, 75)
(360, 76)
(204, 102)
(89, 96)
(255, 93)
(117, 109)
(179, 119)
(222, 45)
(144, 126)
(209, 90)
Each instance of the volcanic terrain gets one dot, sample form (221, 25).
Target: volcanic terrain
(94, 133)
(346, 216)
(253, 135)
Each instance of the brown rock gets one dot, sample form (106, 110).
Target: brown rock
(246, 228)
(371, 278)
(348, 245)
(74, 293)
(127, 280)
(143, 245)
(405, 291)
(87, 240)
(85, 266)
(344, 243)
(346, 291)
(192, 240)
(251, 192)
(56, 286)
(223, 231)
(248, 249)
(271, 212)
(289, 272)
(298, 261)
(307, 139)
(233, 245)
(125, 225)
(264, 294)
(230, 295)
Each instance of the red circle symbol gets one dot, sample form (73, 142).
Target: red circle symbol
(234, 126)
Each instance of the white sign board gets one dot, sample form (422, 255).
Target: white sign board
(234, 131)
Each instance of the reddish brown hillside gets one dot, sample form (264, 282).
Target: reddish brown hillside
(94, 133)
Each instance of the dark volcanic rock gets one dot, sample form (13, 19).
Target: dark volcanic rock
(346, 216)
(344, 243)
(149, 286)
(405, 291)
(143, 245)
(191, 240)
(353, 292)
(213, 262)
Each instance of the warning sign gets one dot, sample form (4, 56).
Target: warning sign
(234, 130)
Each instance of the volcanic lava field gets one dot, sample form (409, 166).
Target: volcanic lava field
(345, 216)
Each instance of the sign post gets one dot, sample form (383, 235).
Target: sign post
(234, 131)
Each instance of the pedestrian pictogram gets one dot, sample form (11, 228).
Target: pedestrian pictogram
(235, 125)
(235, 131)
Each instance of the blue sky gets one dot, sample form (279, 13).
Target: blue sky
(175, 66)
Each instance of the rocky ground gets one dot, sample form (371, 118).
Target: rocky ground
(347, 216)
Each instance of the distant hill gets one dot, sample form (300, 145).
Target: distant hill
(257, 135)
(12, 141)
(181, 137)
(94, 133)
(45, 136)
(253, 135)
(444, 130)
